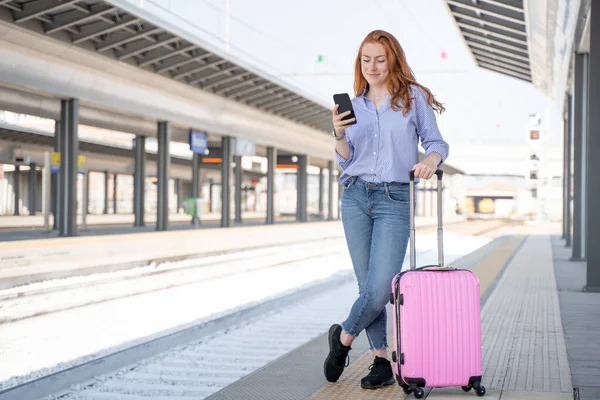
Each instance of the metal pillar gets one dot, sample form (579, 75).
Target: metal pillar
(592, 159)
(565, 189)
(225, 178)
(177, 194)
(139, 180)
(330, 187)
(56, 179)
(85, 200)
(195, 184)
(195, 175)
(238, 188)
(115, 198)
(302, 185)
(580, 116)
(32, 189)
(69, 151)
(163, 161)
(211, 206)
(569, 131)
(321, 188)
(106, 179)
(271, 167)
(46, 191)
(16, 188)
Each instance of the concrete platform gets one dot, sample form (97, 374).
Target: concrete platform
(524, 349)
(581, 319)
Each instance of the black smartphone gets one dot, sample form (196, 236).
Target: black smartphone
(343, 99)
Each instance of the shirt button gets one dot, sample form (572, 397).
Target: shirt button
(375, 135)
(374, 152)
(371, 169)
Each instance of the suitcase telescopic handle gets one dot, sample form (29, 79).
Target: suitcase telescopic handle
(440, 230)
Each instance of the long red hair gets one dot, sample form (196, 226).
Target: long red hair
(400, 77)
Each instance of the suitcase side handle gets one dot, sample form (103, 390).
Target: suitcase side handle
(440, 230)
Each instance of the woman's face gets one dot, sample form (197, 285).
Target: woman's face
(374, 64)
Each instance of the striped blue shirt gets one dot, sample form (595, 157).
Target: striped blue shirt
(384, 143)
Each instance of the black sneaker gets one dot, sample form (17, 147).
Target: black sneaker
(381, 374)
(337, 358)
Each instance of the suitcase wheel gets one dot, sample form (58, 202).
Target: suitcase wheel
(479, 389)
(419, 393)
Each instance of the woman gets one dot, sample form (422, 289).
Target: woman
(376, 154)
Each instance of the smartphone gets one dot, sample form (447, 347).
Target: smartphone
(343, 99)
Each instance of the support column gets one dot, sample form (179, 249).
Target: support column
(16, 188)
(211, 206)
(163, 161)
(55, 180)
(177, 195)
(321, 188)
(271, 167)
(85, 200)
(139, 180)
(565, 176)
(106, 179)
(115, 191)
(195, 183)
(32, 188)
(592, 159)
(569, 129)
(196, 175)
(330, 187)
(225, 181)
(580, 115)
(302, 185)
(69, 151)
(238, 188)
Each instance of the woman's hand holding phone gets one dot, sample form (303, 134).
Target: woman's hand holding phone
(338, 124)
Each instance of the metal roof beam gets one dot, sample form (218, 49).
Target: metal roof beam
(37, 8)
(479, 10)
(167, 55)
(500, 4)
(482, 22)
(146, 47)
(282, 107)
(203, 66)
(119, 40)
(252, 81)
(251, 90)
(264, 89)
(483, 60)
(495, 43)
(74, 17)
(181, 63)
(486, 33)
(498, 51)
(227, 80)
(490, 56)
(228, 70)
(506, 71)
(87, 34)
(280, 97)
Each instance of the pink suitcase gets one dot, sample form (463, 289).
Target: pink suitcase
(437, 323)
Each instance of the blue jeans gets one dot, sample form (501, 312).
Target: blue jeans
(375, 217)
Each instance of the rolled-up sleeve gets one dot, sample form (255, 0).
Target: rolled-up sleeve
(427, 128)
(340, 160)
